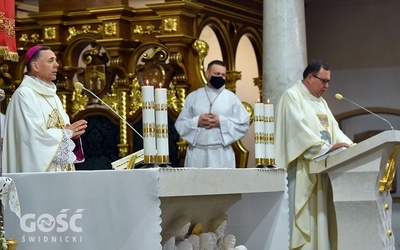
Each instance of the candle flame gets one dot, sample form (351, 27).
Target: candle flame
(147, 82)
(268, 101)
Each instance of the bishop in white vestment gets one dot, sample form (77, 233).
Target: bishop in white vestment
(38, 136)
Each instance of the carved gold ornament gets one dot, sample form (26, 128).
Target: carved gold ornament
(201, 47)
(250, 110)
(135, 97)
(150, 29)
(33, 39)
(386, 182)
(231, 79)
(110, 28)
(112, 99)
(50, 33)
(170, 25)
(176, 98)
(78, 101)
(85, 29)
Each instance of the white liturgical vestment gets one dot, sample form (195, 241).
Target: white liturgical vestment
(32, 140)
(305, 128)
(211, 148)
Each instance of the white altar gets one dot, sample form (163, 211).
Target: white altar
(128, 209)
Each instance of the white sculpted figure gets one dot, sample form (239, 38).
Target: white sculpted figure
(228, 242)
(195, 240)
(208, 241)
(175, 232)
(218, 226)
(184, 245)
(241, 247)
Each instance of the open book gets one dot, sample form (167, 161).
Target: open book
(324, 156)
(129, 161)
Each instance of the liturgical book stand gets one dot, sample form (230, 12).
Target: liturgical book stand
(361, 178)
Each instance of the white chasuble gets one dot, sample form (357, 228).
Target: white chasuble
(211, 148)
(34, 131)
(305, 128)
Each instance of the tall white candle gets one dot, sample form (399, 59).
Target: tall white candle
(270, 134)
(148, 119)
(162, 125)
(259, 133)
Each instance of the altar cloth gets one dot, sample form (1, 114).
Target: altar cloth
(9, 195)
(127, 209)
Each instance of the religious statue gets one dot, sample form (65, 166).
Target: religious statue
(208, 241)
(240, 247)
(218, 226)
(228, 242)
(184, 245)
(175, 232)
(195, 240)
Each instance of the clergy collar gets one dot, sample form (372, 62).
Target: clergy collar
(46, 84)
(39, 86)
(214, 89)
(303, 86)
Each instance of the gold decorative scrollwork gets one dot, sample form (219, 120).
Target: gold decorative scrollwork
(201, 47)
(170, 25)
(155, 71)
(386, 182)
(177, 93)
(176, 59)
(50, 33)
(35, 38)
(160, 52)
(111, 99)
(135, 97)
(138, 30)
(110, 28)
(176, 98)
(78, 102)
(150, 29)
(250, 110)
(63, 99)
(85, 29)
(231, 79)
(88, 54)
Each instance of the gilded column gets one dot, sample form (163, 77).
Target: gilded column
(285, 50)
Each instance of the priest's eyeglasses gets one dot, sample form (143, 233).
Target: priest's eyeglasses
(324, 81)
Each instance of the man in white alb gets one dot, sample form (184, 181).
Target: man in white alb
(305, 128)
(38, 135)
(212, 119)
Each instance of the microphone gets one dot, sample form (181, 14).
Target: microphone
(340, 97)
(79, 85)
(2, 95)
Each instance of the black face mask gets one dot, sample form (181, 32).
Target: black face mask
(217, 81)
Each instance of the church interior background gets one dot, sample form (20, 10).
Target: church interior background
(105, 44)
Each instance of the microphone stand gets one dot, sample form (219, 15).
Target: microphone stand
(339, 97)
(2, 120)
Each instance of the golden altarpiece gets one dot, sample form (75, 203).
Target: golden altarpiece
(104, 44)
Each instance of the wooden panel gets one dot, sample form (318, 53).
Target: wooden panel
(57, 5)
